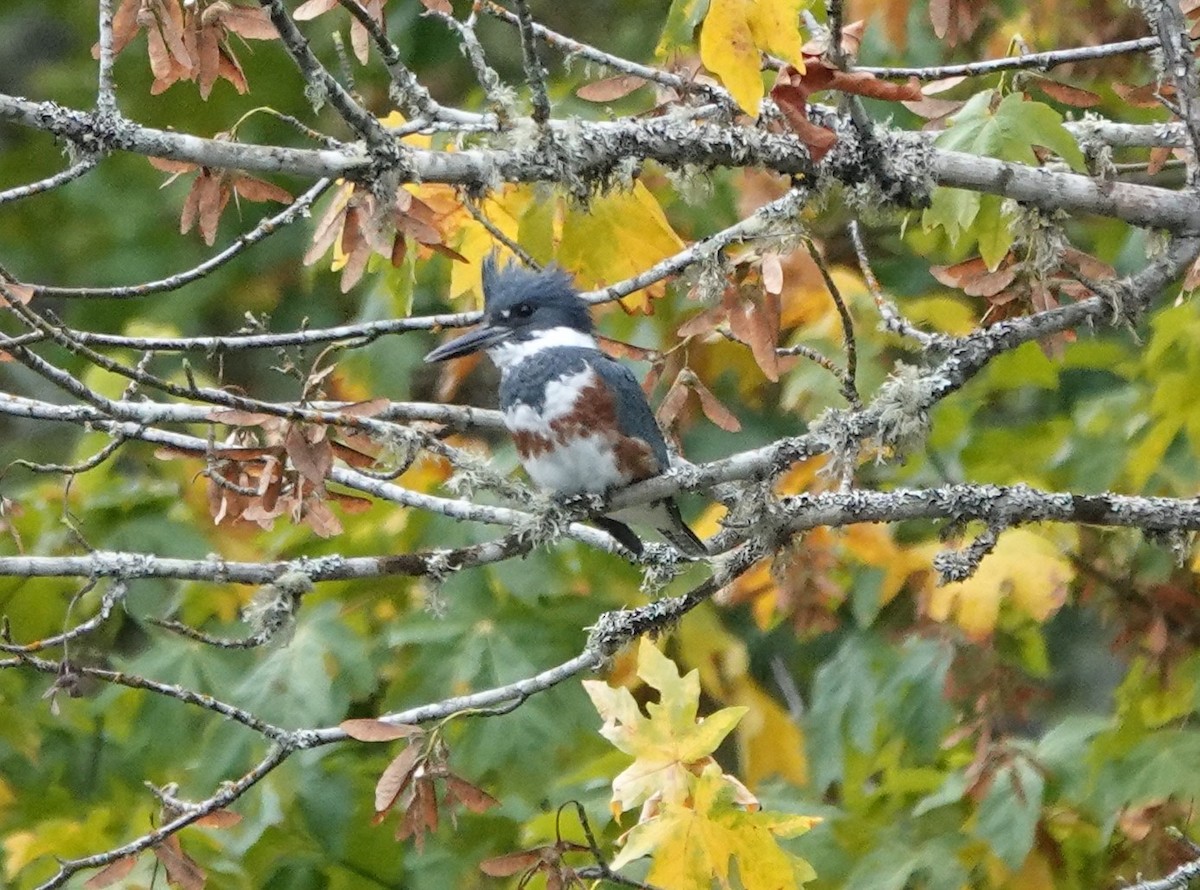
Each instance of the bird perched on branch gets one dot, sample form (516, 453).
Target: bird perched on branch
(579, 419)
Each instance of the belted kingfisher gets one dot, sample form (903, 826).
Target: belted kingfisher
(579, 419)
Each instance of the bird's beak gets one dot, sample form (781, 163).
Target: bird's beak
(472, 341)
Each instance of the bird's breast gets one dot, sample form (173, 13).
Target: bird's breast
(568, 438)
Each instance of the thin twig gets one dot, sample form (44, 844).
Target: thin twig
(849, 388)
(1040, 61)
(892, 319)
(495, 231)
(269, 226)
(535, 74)
(76, 170)
(106, 95)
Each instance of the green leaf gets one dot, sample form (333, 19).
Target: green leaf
(678, 31)
(1009, 813)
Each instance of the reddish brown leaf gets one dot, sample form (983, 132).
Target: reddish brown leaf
(442, 6)
(703, 323)
(310, 9)
(757, 325)
(169, 166)
(1067, 95)
(621, 349)
(230, 68)
(1159, 155)
(396, 777)
(125, 26)
(933, 87)
(160, 56)
(1145, 96)
(368, 729)
(713, 409)
(208, 46)
(248, 22)
(254, 189)
(313, 459)
(219, 819)
(668, 412)
(182, 870)
(610, 88)
(934, 109)
(111, 873)
(470, 796)
(772, 273)
(21, 293)
(360, 42)
(369, 408)
(356, 265)
(237, 417)
(511, 863)
(939, 17)
(191, 205)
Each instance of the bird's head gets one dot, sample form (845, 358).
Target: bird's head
(523, 310)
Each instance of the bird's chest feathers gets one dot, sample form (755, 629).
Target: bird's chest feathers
(564, 425)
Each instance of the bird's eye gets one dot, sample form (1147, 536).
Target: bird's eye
(523, 310)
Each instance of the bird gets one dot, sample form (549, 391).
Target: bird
(580, 421)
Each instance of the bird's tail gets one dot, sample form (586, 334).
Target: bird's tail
(678, 533)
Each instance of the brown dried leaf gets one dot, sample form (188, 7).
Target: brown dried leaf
(237, 417)
(933, 87)
(757, 325)
(356, 265)
(939, 17)
(248, 22)
(349, 502)
(368, 729)
(369, 408)
(442, 6)
(160, 56)
(1159, 155)
(208, 47)
(230, 68)
(191, 205)
(1067, 95)
(713, 409)
(320, 518)
(329, 227)
(22, 293)
(111, 873)
(621, 349)
(610, 88)
(310, 9)
(182, 870)
(1145, 96)
(934, 109)
(313, 459)
(253, 189)
(704, 323)
(973, 278)
(219, 819)
(169, 166)
(668, 412)
(511, 863)
(772, 273)
(360, 42)
(470, 796)
(213, 199)
(125, 26)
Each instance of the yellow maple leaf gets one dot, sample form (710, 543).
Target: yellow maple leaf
(695, 840)
(667, 743)
(734, 34)
(1026, 569)
(619, 235)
